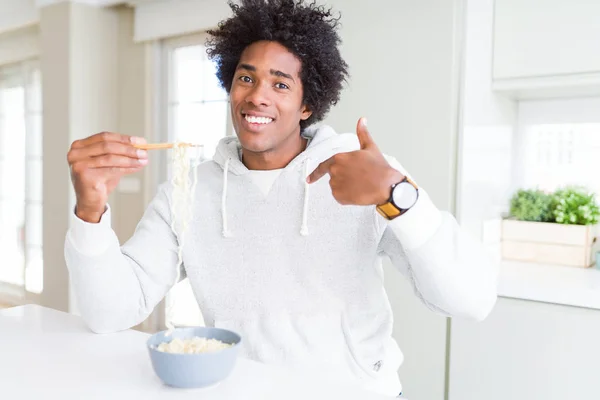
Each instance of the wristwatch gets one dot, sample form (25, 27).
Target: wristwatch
(403, 196)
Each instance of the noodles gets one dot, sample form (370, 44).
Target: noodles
(182, 200)
(195, 345)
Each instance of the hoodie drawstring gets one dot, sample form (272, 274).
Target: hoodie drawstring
(304, 227)
(226, 232)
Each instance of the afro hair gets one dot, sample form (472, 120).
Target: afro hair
(309, 31)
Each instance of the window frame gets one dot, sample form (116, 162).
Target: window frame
(13, 294)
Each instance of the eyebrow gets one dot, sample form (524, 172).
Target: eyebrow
(273, 72)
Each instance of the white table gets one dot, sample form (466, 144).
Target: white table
(50, 354)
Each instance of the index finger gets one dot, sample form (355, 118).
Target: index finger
(108, 137)
(321, 170)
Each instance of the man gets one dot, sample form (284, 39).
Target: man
(290, 221)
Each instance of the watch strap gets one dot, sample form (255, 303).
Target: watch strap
(388, 210)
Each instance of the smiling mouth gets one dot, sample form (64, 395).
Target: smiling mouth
(257, 120)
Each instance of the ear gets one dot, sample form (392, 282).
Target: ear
(305, 112)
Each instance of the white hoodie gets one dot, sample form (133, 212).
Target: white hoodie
(298, 275)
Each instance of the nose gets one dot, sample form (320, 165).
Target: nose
(259, 96)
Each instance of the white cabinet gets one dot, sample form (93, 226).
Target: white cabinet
(526, 351)
(547, 45)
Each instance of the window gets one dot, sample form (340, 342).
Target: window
(561, 154)
(197, 111)
(21, 178)
(197, 105)
(558, 144)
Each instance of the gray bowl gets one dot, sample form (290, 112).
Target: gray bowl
(194, 370)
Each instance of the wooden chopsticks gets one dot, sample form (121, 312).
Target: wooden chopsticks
(158, 146)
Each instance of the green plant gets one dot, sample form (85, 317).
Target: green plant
(573, 205)
(531, 205)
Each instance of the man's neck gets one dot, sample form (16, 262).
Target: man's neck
(277, 159)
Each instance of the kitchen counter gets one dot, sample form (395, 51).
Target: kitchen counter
(50, 354)
(571, 286)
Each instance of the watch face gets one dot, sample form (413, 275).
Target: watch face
(405, 195)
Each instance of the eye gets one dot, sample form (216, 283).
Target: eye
(245, 79)
(281, 86)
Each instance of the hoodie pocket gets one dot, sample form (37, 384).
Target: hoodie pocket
(321, 344)
(375, 356)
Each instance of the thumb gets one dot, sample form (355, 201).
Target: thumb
(364, 138)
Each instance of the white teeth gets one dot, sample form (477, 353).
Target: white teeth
(258, 120)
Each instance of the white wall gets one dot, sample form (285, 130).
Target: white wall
(55, 68)
(485, 161)
(79, 84)
(131, 115)
(488, 127)
(16, 14)
(403, 59)
(20, 44)
(404, 63)
(162, 19)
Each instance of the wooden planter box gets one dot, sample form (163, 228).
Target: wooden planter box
(548, 243)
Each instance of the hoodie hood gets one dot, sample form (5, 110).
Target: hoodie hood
(323, 142)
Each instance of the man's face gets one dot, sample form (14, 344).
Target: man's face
(266, 98)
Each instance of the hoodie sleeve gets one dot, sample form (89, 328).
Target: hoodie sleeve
(118, 287)
(449, 270)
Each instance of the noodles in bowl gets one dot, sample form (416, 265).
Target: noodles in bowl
(195, 345)
(194, 357)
